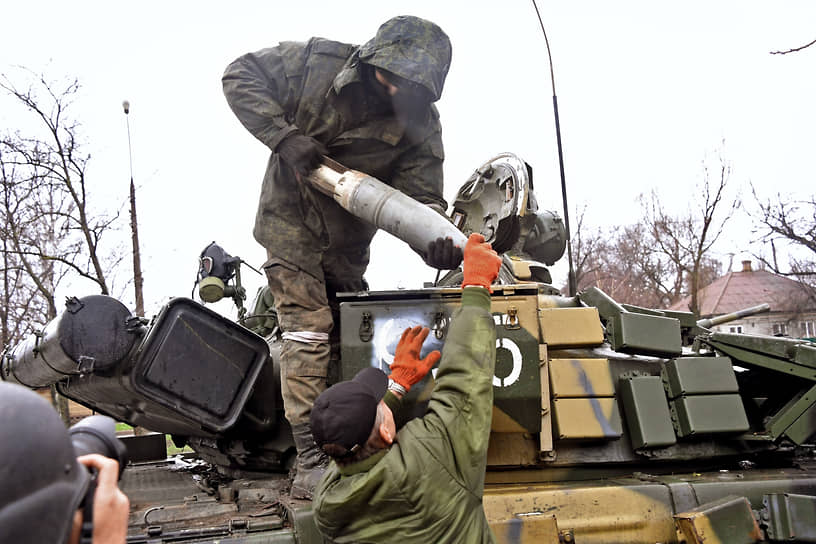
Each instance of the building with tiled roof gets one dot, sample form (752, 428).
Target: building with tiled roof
(793, 307)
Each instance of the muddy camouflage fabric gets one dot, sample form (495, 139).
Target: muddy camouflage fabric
(305, 304)
(315, 247)
(427, 487)
(317, 88)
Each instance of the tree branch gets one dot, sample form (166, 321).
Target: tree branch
(794, 50)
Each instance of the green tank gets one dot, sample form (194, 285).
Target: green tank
(611, 423)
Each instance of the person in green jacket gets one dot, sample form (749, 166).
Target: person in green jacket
(371, 109)
(423, 483)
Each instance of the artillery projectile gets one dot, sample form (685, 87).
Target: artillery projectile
(387, 208)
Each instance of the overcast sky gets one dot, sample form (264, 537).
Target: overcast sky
(646, 91)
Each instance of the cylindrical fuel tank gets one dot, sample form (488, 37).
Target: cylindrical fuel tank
(91, 334)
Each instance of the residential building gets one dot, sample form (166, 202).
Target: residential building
(793, 306)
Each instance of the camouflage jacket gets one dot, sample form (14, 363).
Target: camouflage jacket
(427, 487)
(316, 88)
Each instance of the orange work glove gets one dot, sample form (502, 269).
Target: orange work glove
(481, 263)
(407, 368)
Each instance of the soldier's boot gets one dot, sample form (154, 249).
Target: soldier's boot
(310, 465)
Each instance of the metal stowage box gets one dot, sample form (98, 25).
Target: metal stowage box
(727, 519)
(645, 334)
(647, 412)
(579, 378)
(594, 418)
(570, 327)
(371, 327)
(699, 375)
(704, 414)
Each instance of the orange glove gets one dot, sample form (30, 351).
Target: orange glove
(407, 368)
(481, 263)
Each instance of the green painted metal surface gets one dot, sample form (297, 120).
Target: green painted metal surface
(707, 414)
(647, 412)
(790, 517)
(699, 375)
(727, 520)
(804, 427)
(645, 334)
(517, 377)
(805, 354)
(791, 413)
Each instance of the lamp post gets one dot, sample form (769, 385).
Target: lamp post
(134, 225)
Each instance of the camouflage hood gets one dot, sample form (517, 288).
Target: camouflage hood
(412, 48)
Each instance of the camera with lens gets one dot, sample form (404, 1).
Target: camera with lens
(43, 484)
(97, 434)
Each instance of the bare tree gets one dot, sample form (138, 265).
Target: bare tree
(52, 166)
(19, 309)
(589, 246)
(790, 223)
(664, 257)
(685, 241)
(794, 50)
(623, 262)
(49, 228)
(649, 278)
(21, 304)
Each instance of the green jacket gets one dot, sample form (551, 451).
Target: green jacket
(316, 88)
(427, 487)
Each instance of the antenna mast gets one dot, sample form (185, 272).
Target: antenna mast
(571, 275)
(134, 226)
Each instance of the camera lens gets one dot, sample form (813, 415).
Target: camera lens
(97, 434)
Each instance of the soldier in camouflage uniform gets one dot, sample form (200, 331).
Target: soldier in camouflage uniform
(371, 109)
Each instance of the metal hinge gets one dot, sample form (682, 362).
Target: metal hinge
(440, 325)
(512, 318)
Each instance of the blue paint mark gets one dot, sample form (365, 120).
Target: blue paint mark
(599, 415)
(583, 378)
(593, 400)
(514, 527)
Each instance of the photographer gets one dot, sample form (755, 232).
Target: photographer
(50, 495)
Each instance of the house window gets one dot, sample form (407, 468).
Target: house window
(780, 329)
(737, 328)
(808, 329)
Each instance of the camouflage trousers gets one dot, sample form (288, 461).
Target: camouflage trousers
(308, 314)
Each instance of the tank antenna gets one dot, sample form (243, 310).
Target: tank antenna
(571, 274)
(134, 226)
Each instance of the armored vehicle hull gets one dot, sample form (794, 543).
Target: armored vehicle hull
(605, 427)
(611, 423)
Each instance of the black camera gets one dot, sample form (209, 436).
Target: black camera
(97, 434)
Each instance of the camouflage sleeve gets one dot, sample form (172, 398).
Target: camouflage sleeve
(262, 89)
(418, 172)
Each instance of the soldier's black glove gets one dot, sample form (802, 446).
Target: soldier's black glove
(442, 254)
(301, 153)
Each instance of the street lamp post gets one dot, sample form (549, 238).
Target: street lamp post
(134, 226)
